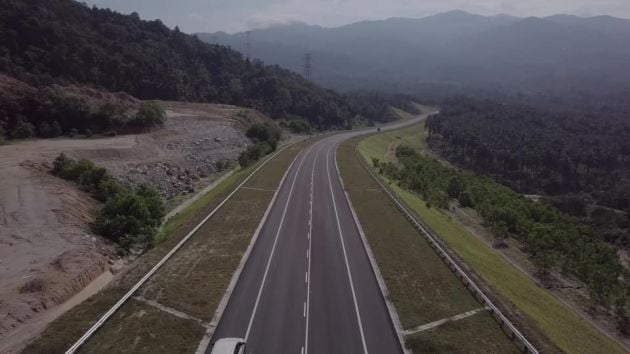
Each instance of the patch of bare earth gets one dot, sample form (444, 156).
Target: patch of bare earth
(47, 252)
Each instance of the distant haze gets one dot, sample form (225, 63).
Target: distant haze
(559, 53)
(238, 15)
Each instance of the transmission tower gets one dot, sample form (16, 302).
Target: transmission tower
(308, 66)
(248, 44)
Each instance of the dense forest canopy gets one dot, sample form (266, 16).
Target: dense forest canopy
(63, 41)
(582, 157)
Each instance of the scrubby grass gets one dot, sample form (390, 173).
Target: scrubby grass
(563, 326)
(207, 202)
(421, 287)
(141, 328)
(470, 335)
(195, 279)
(62, 332)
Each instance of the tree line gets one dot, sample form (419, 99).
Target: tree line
(553, 240)
(63, 41)
(50, 112)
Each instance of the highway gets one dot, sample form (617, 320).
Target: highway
(308, 286)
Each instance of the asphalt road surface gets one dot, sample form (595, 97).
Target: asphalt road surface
(308, 286)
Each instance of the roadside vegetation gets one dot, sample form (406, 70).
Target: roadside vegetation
(130, 216)
(577, 158)
(552, 239)
(421, 286)
(431, 180)
(265, 138)
(184, 283)
(50, 112)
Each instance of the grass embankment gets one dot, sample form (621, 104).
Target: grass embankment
(223, 238)
(548, 315)
(422, 288)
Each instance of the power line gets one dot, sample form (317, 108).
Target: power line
(308, 65)
(248, 45)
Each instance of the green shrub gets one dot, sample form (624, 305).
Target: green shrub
(23, 130)
(264, 132)
(265, 137)
(253, 153)
(129, 216)
(150, 114)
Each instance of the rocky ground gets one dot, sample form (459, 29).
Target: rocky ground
(47, 251)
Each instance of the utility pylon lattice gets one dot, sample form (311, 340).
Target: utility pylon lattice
(248, 45)
(308, 66)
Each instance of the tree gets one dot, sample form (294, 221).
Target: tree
(455, 187)
(501, 234)
(541, 245)
(465, 200)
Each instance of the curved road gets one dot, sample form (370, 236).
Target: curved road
(308, 286)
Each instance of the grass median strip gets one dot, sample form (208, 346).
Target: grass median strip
(421, 287)
(224, 237)
(551, 323)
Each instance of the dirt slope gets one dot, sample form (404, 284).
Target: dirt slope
(47, 251)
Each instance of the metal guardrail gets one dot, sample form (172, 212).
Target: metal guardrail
(90, 332)
(507, 326)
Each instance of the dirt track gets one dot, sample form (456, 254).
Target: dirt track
(47, 252)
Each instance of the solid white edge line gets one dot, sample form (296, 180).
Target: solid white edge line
(146, 277)
(308, 254)
(205, 341)
(345, 255)
(393, 314)
(450, 261)
(275, 242)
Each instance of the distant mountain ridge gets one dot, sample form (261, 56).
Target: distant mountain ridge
(561, 52)
(66, 42)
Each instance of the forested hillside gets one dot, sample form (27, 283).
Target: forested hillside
(581, 158)
(63, 41)
(452, 50)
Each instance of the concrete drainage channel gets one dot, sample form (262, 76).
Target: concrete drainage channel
(103, 319)
(513, 333)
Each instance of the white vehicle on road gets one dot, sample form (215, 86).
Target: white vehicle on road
(229, 346)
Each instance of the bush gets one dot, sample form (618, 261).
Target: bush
(404, 150)
(265, 137)
(297, 126)
(130, 215)
(150, 114)
(51, 130)
(254, 153)
(23, 130)
(264, 132)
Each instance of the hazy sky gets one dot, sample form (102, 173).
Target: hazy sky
(238, 15)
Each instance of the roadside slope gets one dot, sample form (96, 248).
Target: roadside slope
(540, 310)
(421, 287)
(192, 282)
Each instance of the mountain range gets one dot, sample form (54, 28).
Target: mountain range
(561, 52)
